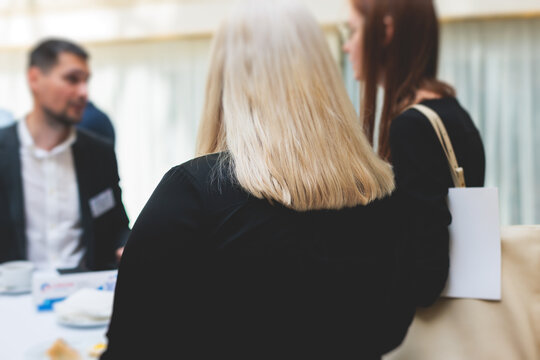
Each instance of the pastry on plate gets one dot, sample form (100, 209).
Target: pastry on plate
(60, 350)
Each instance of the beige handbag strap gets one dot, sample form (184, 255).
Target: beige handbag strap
(455, 170)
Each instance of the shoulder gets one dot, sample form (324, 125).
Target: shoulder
(94, 146)
(8, 133)
(200, 167)
(89, 138)
(410, 118)
(201, 170)
(194, 184)
(209, 176)
(410, 124)
(454, 116)
(7, 129)
(203, 165)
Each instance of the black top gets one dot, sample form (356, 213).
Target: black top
(423, 177)
(96, 171)
(211, 269)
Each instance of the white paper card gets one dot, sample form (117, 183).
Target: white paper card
(49, 287)
(475, 244)
(102, 203)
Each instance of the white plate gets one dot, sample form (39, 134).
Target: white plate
(81, 323)
(16, 291)
(85, 308)
(82, 344)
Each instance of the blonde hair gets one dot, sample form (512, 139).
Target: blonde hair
(276, 103)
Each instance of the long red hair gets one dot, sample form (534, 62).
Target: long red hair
(404, 65)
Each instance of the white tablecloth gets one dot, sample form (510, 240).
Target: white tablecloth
(24, 331)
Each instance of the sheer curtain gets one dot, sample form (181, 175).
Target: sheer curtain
(153, 92)
(495, 68)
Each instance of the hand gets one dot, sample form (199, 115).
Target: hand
(119, 253)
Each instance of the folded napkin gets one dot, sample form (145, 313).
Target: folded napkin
(86, 305)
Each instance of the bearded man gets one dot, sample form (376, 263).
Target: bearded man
(60, 200)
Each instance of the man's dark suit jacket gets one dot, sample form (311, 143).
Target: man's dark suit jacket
(96, 171)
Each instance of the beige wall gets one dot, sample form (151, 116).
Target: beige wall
(451, 9)
(24, 21)
(117, 20)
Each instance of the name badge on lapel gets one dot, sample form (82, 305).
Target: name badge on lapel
(102, 203)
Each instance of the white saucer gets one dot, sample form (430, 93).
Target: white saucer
(80, 323)
(14, 291)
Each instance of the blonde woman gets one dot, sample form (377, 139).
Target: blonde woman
(279, 240)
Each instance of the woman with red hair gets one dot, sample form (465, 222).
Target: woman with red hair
(394, 44)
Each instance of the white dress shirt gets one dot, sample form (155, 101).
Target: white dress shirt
(51, 203)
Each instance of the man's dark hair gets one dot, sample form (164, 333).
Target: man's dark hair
(45, 54)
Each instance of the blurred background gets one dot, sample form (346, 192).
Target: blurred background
(149, 60)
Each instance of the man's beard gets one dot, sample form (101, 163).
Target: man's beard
(60, 118)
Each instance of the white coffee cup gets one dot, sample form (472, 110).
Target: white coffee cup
(16, 276)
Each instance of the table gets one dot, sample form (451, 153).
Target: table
(23, 329)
